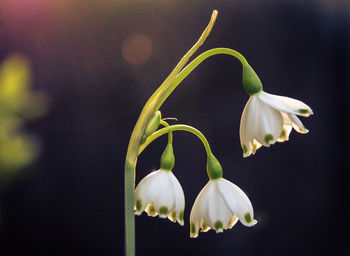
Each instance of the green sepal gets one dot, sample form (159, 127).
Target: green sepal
(153, 124)
(251, 81)
(214, 168)
(167, 160)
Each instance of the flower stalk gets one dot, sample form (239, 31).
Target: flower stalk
(176, 127)
(152, 105)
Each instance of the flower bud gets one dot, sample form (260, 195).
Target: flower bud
(251, 81)
(167, 160)
(153, 123)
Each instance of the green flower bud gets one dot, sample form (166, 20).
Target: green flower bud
(143, 139)
(214, 168)
(167, 160)
(251, 81)
(153, 123)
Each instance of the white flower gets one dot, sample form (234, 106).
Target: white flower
(268, 118)
(160, 193)
(219, 206)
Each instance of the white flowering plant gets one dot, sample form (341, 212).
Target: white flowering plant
(266, 119)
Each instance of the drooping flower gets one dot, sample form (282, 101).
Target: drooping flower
(268, 118)
(219, 206)
(160, 193)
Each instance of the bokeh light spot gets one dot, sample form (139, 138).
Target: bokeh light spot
(136, 49)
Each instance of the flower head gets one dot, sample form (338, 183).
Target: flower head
(268, 118)
(160, 193)
(219, 206)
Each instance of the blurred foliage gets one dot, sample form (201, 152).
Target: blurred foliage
(18, 104)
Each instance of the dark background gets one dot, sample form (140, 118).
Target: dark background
(70, 201)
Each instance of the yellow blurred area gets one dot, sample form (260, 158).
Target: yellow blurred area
(16, 152)
(16, 96)
(18, 104)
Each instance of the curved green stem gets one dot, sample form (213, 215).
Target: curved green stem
(170, 134)
(152, 104)
(176, 127)
(190, 67)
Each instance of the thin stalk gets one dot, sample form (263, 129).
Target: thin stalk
(170, 134)
(129, 213)
(177, 127)
(190, 67)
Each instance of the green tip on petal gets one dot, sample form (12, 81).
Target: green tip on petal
(248, 218)
(303, 111)
(268, 138)
(245, 149)
(138, 205)
(193, 228)
(218, 226)
(163, 211)
(181, 216)
(151, 211)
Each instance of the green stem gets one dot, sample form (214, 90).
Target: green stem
(129, 209)
(176, 127)
(170, 134)
(190, 67)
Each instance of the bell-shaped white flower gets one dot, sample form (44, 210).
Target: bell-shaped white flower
(219, 206)
(160, 193)
(269, 118)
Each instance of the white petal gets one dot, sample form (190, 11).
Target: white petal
(286, 104)
(232, 222)
(297, 124)
(197, 211)
(165, 194)
(140, 191)
(158, 193)
(285, 133)
(179, 198)
(219, 212)
(206, 203)
(269, 124)
(246, 129)
(238, 201)
(218, 206)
